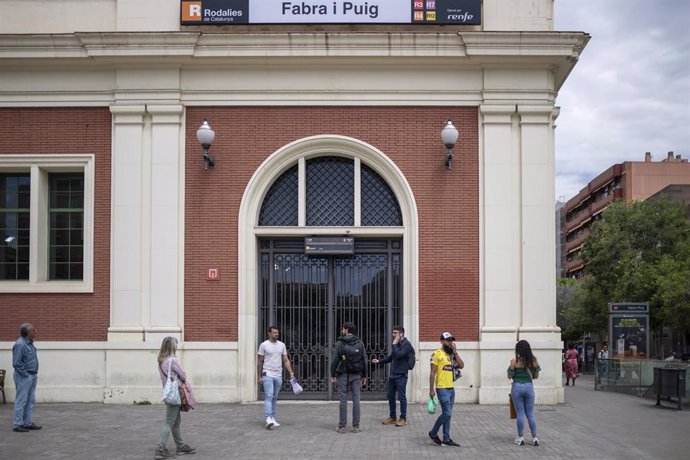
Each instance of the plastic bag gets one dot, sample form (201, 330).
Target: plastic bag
(296, 387)
(431, 405)
(171, 392)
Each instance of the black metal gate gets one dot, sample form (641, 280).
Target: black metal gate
(308, 298)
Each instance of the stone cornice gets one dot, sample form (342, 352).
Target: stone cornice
(556, 51)
(197, 45)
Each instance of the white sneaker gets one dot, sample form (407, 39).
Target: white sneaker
(534, 441)
(275, 422)
(519, 441)
(269, 423)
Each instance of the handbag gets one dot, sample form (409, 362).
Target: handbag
(513, 414)
(171, 392)
(456, 370)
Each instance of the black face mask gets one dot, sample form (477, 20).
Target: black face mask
(448, 349)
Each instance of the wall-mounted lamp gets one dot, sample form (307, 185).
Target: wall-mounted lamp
(206, 135)
(449, 135)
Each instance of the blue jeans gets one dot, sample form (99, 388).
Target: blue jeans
(25, 399)
(271, 389)
(523, 399)
(397, 384)
(446, 396)
(603, 369)
(349, 383)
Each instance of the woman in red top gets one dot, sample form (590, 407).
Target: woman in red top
(571, 371)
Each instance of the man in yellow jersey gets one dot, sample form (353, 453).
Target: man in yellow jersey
(441, 384)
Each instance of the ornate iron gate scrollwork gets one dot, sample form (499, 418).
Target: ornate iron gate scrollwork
(308, 298)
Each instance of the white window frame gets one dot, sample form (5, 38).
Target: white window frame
(40, 166)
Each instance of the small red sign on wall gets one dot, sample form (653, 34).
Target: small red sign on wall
(213, 274)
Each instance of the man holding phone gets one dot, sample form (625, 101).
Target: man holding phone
(397, 379)
(441, 385)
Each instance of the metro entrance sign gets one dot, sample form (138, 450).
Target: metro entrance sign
(229, 12)
(629, 329)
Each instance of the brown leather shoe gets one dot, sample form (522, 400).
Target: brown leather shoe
(389, 421)
(402, 421)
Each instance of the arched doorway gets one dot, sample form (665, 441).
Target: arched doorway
(325, 186)
(309, 297)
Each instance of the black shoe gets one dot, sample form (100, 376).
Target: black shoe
(162, 453)
(449, 442)
(20, 429)
(33, 426)
(185, 449)
(435, 438)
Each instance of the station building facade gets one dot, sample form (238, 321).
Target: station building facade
(116, 234)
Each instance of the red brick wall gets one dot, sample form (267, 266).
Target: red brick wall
(447, 202)
(64, 130)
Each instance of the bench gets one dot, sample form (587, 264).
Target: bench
(2, 385)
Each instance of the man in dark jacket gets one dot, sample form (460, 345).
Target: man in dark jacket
(348, 370)
(397, 379)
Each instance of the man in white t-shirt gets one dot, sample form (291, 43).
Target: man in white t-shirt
(272, 356)
(603, 364)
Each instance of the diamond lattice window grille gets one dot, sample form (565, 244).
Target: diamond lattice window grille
(280, 206)
(330, 192)
(379, 206)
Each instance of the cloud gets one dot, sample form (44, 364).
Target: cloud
(629, 92)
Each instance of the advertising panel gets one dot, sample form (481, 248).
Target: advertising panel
(228, 12)
(629, 335)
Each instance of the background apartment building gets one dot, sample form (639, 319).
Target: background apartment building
(629, 181)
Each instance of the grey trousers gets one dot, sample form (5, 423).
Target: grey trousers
(172, 425)
(349, 383)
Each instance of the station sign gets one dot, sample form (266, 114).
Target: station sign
(238, 12)
(329, 245)
(628, 307)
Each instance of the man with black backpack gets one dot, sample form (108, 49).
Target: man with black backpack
(348, 370)
(402, 359)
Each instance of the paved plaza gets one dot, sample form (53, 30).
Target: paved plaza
(590, 425)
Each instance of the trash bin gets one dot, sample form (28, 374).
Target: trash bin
(669, 382)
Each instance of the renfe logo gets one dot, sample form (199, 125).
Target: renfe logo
(191, 11)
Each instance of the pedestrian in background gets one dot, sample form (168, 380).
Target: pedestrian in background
(441, 383)
(272, 355)
(25, 363)
(523, 369)
(168, 361)
(571, 358)
(397, 378)
(348, 370)
(603, 364)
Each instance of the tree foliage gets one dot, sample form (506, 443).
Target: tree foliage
(637, 252)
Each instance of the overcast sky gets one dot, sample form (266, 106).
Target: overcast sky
(630, 91)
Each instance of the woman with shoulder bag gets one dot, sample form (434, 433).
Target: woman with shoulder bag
(169, 367)
(523, 369)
